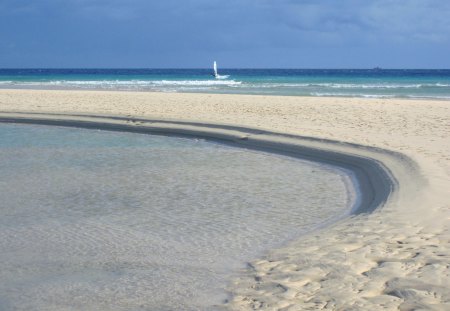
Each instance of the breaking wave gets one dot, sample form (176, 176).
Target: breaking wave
(352, 85)
(372, 89)
(126, 82)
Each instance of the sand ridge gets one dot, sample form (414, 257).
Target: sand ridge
(395, 258)
(369, 170)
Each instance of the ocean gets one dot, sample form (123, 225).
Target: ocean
(368, 83)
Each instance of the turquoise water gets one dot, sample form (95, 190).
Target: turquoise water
(375, 83)
(97, 220)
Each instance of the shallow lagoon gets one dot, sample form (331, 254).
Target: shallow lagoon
(107, 220)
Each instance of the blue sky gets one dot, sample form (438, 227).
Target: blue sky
(237, 33)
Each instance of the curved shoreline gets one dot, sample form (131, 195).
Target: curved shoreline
(393, 258)
(375, 180)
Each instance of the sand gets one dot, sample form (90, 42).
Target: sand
(397, 257)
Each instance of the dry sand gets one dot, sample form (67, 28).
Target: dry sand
(395, 258)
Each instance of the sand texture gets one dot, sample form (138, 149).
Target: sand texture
(396, 258)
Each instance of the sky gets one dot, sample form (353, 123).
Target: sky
(236, 33)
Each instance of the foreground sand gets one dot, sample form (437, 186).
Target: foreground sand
(395, 258)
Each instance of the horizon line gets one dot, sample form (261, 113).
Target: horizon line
(209, 68)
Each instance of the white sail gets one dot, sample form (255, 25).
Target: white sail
(215, 69)
(216, 74)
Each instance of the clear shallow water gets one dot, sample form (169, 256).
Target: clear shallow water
(306, 82)
(119, 221)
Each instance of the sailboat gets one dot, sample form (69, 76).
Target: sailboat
(216, 75)
(215, 70)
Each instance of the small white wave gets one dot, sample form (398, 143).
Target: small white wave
(324, 94)
(196, 82)
(428, 97)
(219, 82)
(377, 86)
(345, 85)
(357, 85)
(220, 77)
(351, 95)
(377, 96)
(125, 83)
(368, 86)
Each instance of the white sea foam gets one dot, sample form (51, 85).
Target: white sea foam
(428, 97)
(196, 82)
(374, 86)
(352, 95)
(222, 83)
(128, 82)
(324, 94)
(371, 86)
(438, 90)
(346, 85)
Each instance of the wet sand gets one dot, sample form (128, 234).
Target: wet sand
(393, 258)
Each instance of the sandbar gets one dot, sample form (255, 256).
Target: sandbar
(394, 257)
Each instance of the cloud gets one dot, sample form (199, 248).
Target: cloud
(155, 29)
(417, 20)
(424, 20)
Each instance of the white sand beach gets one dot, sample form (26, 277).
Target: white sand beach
(396, 258)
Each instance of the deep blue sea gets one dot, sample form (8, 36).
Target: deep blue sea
(376, 83)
